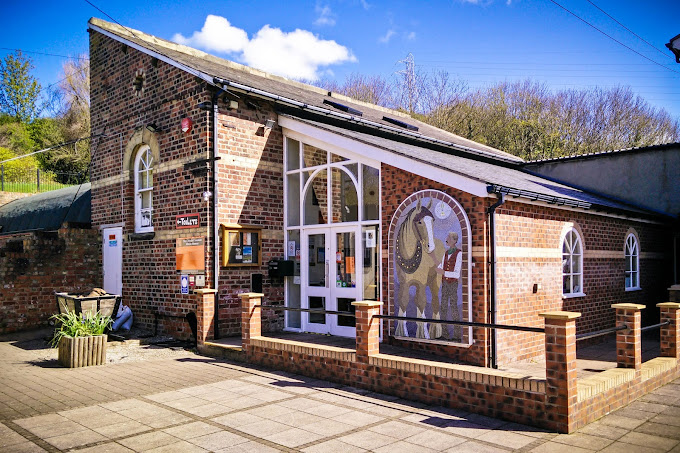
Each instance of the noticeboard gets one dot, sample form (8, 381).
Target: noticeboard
(190, 254)
(241, 245)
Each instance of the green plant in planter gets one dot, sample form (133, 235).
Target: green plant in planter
(74, 325)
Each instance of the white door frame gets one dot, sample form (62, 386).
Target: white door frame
(329, 291)
(112, 260)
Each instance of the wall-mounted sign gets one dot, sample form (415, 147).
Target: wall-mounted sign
(184, 284)
(190, 254)
(188, 221)
(241, 245)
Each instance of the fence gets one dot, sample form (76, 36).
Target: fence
(35, 180)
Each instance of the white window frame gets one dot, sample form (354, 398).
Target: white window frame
(572, 239)
(632, 254)
(148, 166)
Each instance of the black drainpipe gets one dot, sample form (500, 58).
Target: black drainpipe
(216, 227)
(492, 274)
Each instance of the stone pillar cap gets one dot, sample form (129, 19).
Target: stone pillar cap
(367, 303)
(560, 315)
(674, 288)
(205, 291)
(669, 305)
(629, 306)
(250, 295)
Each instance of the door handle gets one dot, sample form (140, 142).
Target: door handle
(327, 269)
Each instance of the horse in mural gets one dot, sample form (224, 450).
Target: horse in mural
(417, 254)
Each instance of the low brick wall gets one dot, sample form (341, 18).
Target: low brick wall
(559, 403)
(33, 266)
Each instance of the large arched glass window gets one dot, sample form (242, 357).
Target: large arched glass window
(572, 264)
(632, 255)
(144, 190)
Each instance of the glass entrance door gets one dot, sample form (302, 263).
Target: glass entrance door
(330, 279)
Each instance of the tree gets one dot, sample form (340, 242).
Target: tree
(68, 163)
(19, 90)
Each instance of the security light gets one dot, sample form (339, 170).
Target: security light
(674, 46)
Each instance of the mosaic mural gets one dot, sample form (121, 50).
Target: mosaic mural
(427, 267)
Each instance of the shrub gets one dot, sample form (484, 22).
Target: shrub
(74, 325)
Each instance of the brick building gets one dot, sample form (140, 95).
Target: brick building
(206, 172)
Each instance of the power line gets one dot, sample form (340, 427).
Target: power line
(613, 39)
(44, 53)
(665, 54)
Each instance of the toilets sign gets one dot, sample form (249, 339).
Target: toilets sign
(188, 221)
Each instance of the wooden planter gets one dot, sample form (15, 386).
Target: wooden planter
(82, 351)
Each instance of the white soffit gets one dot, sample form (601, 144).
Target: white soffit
(373, 155)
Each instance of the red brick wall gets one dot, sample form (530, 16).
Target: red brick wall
(250, 187)
(36, 265)
(251, 193)
(397, 185)
(540, 227)
(535, 228)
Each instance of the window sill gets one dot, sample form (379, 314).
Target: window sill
(572, 295)
(637, 288)
(142, 236)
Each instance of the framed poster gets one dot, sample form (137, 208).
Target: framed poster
(241, 245)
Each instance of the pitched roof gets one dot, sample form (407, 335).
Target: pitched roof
(218, 71)
(46, 211)
(635, 149)
(499, 179)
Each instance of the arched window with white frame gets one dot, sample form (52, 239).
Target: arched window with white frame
(632, 256)
(572, 264)
(144, 190)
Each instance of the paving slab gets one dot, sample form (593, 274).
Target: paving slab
(193, 404)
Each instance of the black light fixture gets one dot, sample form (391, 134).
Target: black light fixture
(152, 127)
(674, 46)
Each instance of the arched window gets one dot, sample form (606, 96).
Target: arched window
(144, 190)
(572, 264)
(632, 254)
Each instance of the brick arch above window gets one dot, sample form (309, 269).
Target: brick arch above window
(142, 136)
(568, 226)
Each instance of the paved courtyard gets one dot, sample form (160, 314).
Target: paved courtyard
(183, 402)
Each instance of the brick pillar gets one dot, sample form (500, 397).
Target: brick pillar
(629, 341)
(251, 318)
(205, 314)
(670, 334)
(561, 392)
(674, 293)
(367, 329)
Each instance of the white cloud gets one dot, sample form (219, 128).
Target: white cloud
(387, 36)
(298, 54)
(216, 35)
(411, 36)
(365, 4)
(326, 16)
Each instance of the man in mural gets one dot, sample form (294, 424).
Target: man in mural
(449, 269)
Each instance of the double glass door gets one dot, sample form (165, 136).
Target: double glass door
(330, 278)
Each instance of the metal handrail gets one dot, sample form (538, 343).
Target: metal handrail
(309, 310)
(599, 333)
(463, 323)
(405, 318)
(655, 326)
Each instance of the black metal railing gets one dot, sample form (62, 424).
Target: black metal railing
(463, 323)
(309, 310)
(599, 333)
(406, 318)
(36, 180)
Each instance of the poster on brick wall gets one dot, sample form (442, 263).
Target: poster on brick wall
(427, 265)
(190, 254)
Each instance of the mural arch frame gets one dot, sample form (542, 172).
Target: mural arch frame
(405, 277)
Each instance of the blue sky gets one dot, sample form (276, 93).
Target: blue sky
(479, 41)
